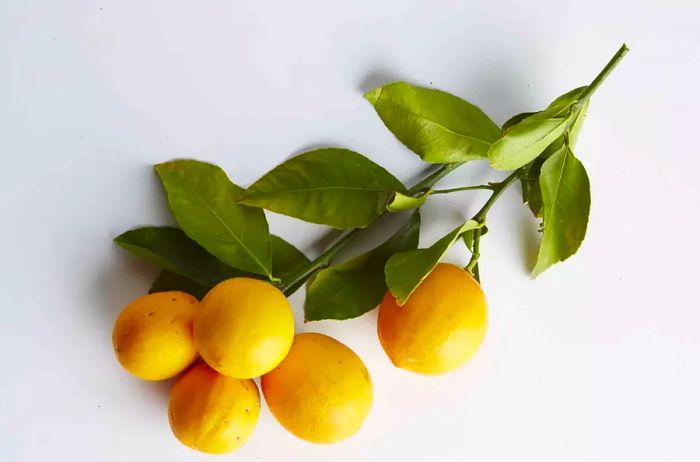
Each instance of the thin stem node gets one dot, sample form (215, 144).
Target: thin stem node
(480, 217)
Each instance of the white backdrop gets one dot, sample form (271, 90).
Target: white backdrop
(599, 359)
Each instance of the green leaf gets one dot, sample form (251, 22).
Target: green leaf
(468, 237)
(532, 193)
(172, 250)
(167, 281)
(335, 187)
(286, 259)
(406, 270)
(203, 201)
(534, 199)
(577, 123)
(525, 136)
(525, 141)
(567, 202)
(436, 125)
(401, 201)
(560, 107)
(354, 287)
(532, 178)
(515, 120)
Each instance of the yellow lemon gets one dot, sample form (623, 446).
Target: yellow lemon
(244, 327)
(152, 336)
(321, 392)
(440, 326)
(213, 413)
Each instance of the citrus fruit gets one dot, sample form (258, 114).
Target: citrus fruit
(152, 337)
(440, 326)
(213, 413)
(243, 327)
(321, 392)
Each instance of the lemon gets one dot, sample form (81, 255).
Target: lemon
(321, 392)
(439, 327)
(213, 413)
(152, 336)
(243, 327)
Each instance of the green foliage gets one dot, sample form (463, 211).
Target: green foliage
(406, 270)
(172, 250)
(224, 233)
(528, 135)
(167, 281)
(436, 125)
(525, 141)
(577, 123)
(401, 201)
(354, 287)
(188, 266)
(562, 105)
(566, 200)
(515, 120)
(335, 187)
(286, 259)
(203, 202)
(468, 236)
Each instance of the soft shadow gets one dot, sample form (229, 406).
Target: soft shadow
(499, 93)
(529, 241)
(377, 78)
(368, 321)
(495, 83)
(159, 392)
(313, 147)
(325, 241)
(472, 173)
(159, 201)
(385, 226)
(416, 177)
(371, 237)
(118, 283)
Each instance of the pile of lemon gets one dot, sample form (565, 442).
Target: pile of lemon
(315, 386)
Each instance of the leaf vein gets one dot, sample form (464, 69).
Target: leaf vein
(231, 232)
